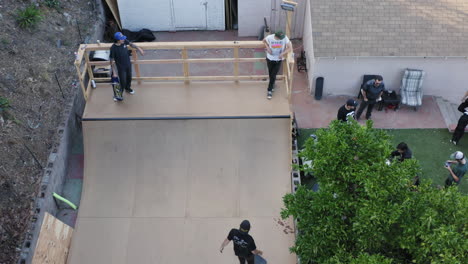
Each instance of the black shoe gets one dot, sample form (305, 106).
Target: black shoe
(130, 91)
(368, 118)
(269, 95)
(118, 99)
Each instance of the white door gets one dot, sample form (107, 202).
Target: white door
(190, 14)
(172, 15)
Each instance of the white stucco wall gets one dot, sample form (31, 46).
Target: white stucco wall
(445, 77)
(162, 15)
(252, 12)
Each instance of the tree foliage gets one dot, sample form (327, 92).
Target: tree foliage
(367, 211)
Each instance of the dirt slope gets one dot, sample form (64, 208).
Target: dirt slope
(30, 60)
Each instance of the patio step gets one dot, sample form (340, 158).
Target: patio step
(449, 112)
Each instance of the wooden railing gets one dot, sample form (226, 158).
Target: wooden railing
(86, 76)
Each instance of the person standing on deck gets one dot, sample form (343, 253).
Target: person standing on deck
(277, 46)
(121, 64)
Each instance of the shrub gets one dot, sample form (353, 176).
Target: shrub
(52, 3)
(366, 211)
(29, 17)
(4, 104)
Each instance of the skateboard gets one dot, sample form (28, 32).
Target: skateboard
(260, 260)
(117, 88)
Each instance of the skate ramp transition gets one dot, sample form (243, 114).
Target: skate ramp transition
(170, 170)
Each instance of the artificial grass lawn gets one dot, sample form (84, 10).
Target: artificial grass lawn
(431, 147)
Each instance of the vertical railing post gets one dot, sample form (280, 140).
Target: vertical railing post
(186, 66)
(80, 79)
(236, 63)
(88, 66)
(136, 65)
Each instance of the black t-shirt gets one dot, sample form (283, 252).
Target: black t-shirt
(345, 114)
(243, 243)
(372, 92)
(408, 154)
(120, 54)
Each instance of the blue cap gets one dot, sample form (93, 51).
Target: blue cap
(119, 36)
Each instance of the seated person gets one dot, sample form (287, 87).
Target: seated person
(457, 167)
(402, 152)
(346, 111)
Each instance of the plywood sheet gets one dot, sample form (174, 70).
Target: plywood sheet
(53, 242)
(169, 191)
(200, 99)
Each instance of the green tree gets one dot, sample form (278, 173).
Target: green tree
(368, 211)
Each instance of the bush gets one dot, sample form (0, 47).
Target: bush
(366, 211)
(29, 17)
(52, 4)
(4, 104)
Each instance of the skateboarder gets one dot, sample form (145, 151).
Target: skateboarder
(277, 46)
(244, 245)
(120, 63)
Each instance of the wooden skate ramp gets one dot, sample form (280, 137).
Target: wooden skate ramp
(169, 191)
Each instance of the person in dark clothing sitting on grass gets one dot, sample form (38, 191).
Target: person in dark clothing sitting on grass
(402, 152)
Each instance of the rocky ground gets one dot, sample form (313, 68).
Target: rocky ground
(37, 77)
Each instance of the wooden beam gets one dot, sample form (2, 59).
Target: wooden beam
(200, 78)
(136, 65)
(236, 64)
(175, 61)
(253, 44)
(79, 54)
(290, 2)
(54, 241)
(114, 7)
(88, 67)
(88, 89)
(83, 89)
(186, 66)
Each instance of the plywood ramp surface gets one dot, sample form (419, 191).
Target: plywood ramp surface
(169, 191)
(176, 99)
(53, 242)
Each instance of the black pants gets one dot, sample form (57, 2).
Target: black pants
(370, 105)
(448, 182)
(273, 69)
(250, 260)
(460, 129)
(125, 77)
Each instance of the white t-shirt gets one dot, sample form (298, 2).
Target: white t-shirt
(276, 46)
